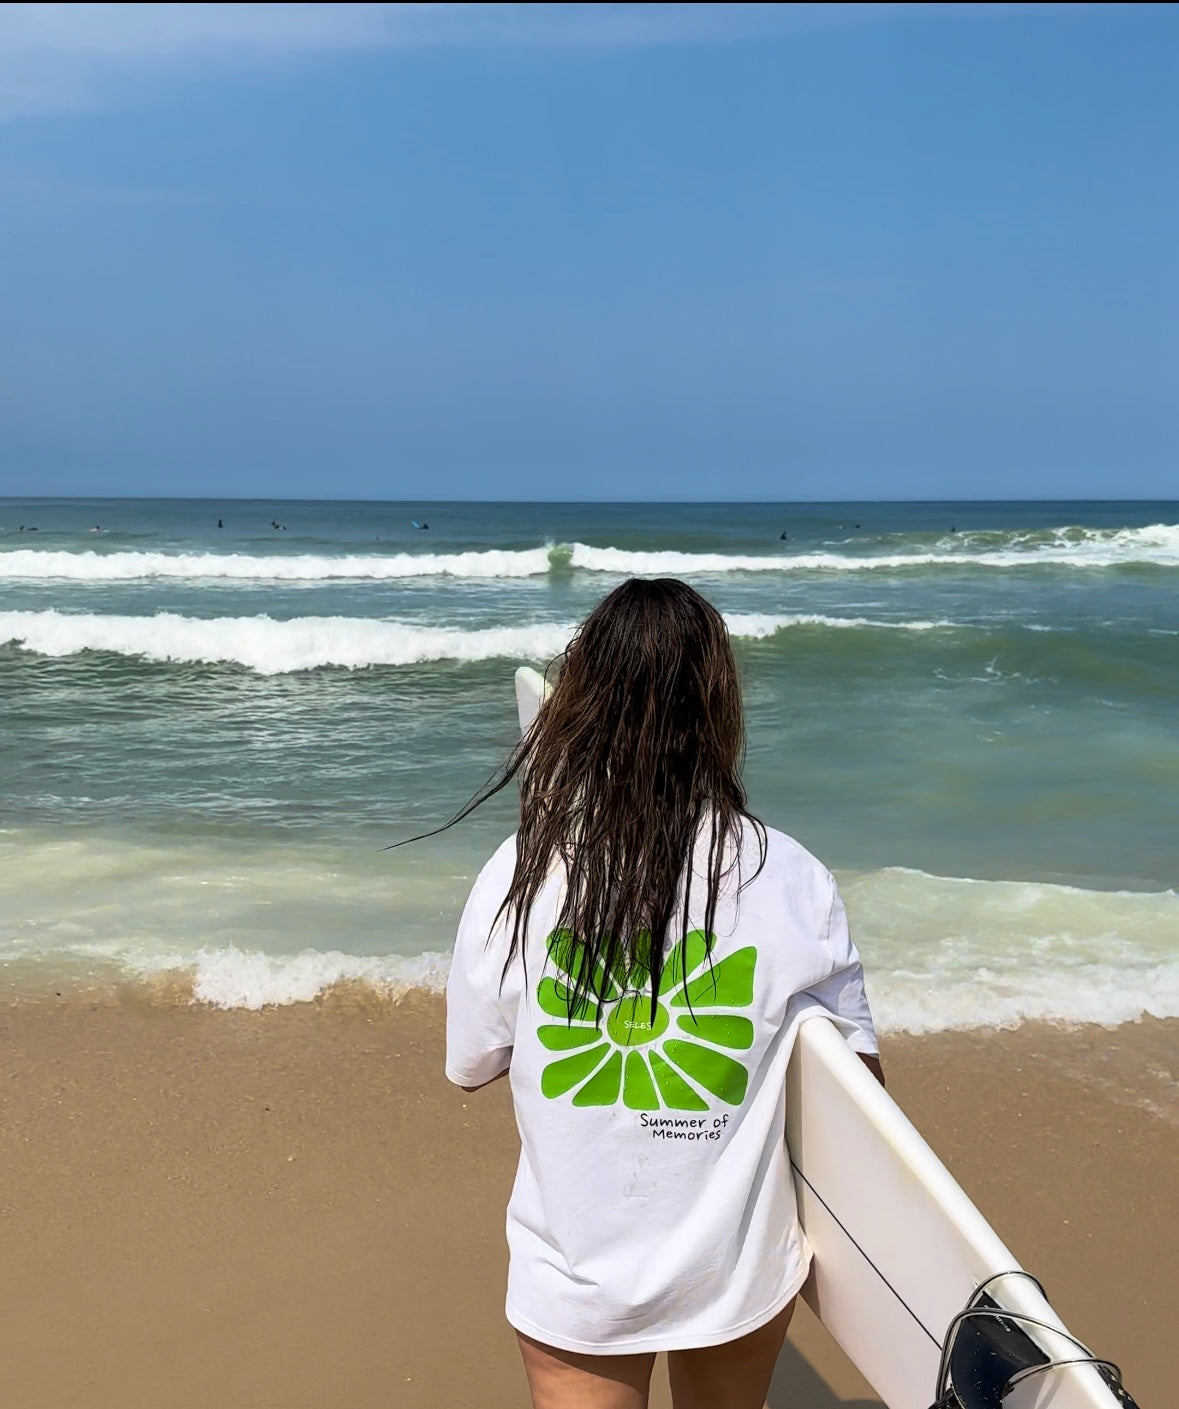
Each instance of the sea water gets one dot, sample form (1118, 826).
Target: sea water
(217, 715)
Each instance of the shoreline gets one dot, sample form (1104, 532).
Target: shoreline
(235, 979)
(292, 1207)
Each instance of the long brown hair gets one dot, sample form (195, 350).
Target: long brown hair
(637, 750)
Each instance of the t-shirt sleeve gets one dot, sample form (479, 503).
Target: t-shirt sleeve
(479, 1027)
(840, 994)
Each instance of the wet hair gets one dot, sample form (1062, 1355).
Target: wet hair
(635, 756)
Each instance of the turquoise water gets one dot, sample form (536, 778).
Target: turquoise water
(967, 710)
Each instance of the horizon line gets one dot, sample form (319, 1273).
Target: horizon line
(324, 499)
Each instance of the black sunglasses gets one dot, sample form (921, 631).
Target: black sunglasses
(988, 1351)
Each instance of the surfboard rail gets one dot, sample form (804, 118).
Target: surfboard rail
(899, 1248)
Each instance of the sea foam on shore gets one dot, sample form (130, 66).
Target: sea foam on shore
(214, 922)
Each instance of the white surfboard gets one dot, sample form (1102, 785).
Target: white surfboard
(899, 1249)
(531, 693)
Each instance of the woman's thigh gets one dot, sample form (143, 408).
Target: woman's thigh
(735, 1375)
(563, 1379)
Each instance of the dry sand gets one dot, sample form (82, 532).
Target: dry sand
(292, 1209)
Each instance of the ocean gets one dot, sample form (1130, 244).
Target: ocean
(218, 715)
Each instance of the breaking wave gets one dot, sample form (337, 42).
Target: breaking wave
(1156, 545)
(272, 647)
(213, 923)
(35, 564)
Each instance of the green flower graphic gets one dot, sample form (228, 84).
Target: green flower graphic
(667, 1060)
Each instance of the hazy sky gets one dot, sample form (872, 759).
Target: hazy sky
(599, 251)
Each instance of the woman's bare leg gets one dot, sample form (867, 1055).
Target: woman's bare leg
(563, 1379)
(735, 1375)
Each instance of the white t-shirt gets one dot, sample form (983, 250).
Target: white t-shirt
(653, 1207)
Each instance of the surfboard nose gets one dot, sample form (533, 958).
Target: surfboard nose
(531, 692)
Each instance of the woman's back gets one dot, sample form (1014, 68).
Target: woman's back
(637, 958)
(653, 1208)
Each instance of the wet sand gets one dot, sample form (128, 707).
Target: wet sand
(292, 1209)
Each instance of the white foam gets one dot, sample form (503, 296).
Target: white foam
(238, 978)
(952, 952)
(1108, 994)
(242, 927)
(941, 953)
(30, 563)
(1080, 548)
(273, 647)
(1156, 544)
(277, 921)
(754, 627)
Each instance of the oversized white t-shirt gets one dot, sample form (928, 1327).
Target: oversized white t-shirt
(653, 1207)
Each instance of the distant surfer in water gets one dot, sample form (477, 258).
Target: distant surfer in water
(644, 1019)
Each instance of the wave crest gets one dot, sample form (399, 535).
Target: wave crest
(31, 564)
(986, 954)
(202, 918)
(270, 647)
(1157, 545)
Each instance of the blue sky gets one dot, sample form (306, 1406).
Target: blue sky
(764, 252)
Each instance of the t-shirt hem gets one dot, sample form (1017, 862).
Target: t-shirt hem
(464, 1078)
(642, 1345)
(479, 1077)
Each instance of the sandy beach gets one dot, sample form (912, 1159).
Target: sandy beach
(293, 1208)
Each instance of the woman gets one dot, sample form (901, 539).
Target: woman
(637, 959)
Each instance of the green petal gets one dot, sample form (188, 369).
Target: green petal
(558, 1038)
(638, 1090)
(728, 984)
(676, 1093)
(553, 998)
(609, 982)
(638, 977)
(562, 1076)
(724, 1031)
(606, 986)
(602, 1090)
(684, 959)
(562, 948)
(721, 1075)
(566, 953)
(569, 954)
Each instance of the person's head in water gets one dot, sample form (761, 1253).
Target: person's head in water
(637, 750)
